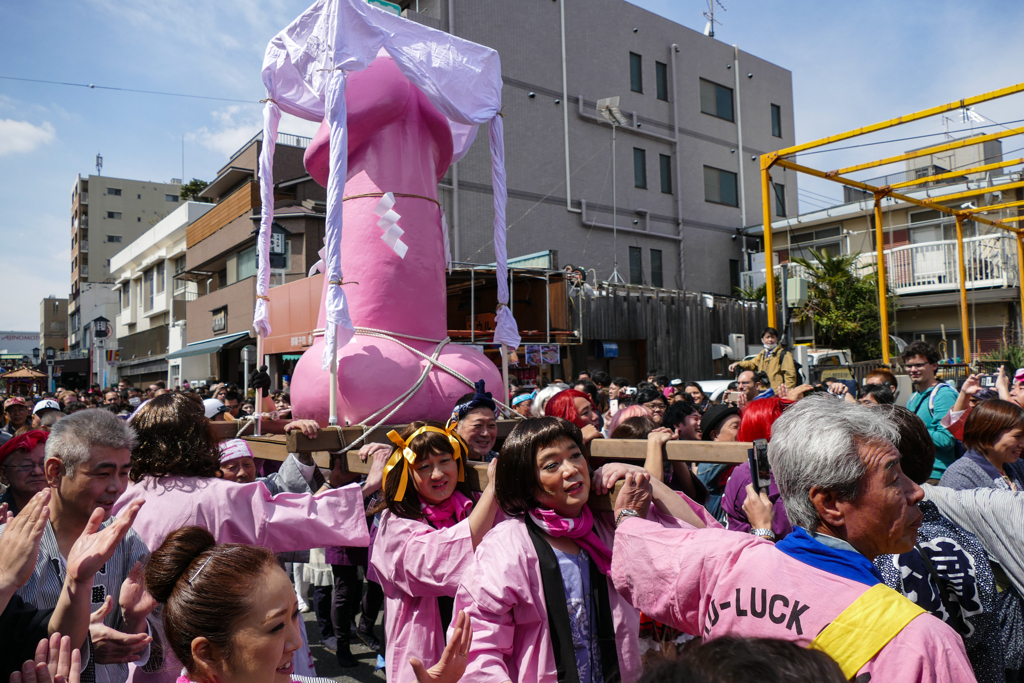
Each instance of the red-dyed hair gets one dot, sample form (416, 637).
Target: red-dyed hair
(758, 418)
(563, 405)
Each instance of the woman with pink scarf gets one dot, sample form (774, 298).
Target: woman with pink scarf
(539, 594)
(428, 530)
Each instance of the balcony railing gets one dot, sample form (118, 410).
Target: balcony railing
(989, 261)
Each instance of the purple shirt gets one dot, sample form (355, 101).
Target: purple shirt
(736, 493)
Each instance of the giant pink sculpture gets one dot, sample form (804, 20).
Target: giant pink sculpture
(400, 143)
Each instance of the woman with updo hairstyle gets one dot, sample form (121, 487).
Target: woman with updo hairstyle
(175, 469)
(229, 611)
(430, 524)
(994, 438)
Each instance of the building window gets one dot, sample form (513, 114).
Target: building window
(776, 120)
(780, 200)
(661, 80)
(827, 240)
(720, 186)
(113, 238)
(716, 100)
(138, 219)
(171, 197)
(665, 164)
(116, 215)
(639, 168)
(149, 279)
(636, 72)
(114, 191)
(179, 265)
(636, 271)
(159, 277)
(220, 320)
(657, 279)
(247, 263)
(126, 295)
(734, 273)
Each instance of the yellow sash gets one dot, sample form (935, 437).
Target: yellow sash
(865, 627)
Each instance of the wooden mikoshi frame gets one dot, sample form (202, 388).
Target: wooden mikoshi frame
(278, 446)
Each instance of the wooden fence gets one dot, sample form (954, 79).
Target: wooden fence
(678, 327)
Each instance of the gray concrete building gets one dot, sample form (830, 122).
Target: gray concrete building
(107, 214)
(678, 173)
(53, 324)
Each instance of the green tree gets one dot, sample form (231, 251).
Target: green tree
(190, 190)
(843, 304)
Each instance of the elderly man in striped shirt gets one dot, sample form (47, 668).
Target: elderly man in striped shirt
(88, 457)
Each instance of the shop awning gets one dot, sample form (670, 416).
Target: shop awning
(207, 346)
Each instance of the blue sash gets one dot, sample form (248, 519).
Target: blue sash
(848, 564)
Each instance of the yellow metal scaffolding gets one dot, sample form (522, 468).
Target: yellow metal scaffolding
(784, 158)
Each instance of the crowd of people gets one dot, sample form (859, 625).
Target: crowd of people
(885, 543)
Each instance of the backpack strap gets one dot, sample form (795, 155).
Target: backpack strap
(865, 627)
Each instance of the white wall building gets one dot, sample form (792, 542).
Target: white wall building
(151, 302)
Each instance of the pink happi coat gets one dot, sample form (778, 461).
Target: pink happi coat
(416, 564)
(503, 595)
(711, 583)
(244, 513)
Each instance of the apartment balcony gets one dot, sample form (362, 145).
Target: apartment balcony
(84, 248)
(990, 261)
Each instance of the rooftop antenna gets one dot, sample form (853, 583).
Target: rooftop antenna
(99, 164)
(709, 29)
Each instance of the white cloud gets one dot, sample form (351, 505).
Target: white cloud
(236, 127)
(22, 136)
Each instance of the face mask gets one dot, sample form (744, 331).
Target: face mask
(770, 347)
(134, 401)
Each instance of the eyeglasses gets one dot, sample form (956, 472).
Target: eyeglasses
(916, 366)
(24, 469)
(655, 407)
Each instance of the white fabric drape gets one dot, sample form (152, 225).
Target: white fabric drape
(460, 78)
(505, 329)
(271, 119)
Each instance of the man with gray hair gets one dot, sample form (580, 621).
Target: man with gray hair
(839, 475)
(88, 457)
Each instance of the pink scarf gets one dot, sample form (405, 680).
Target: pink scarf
(453, 510)
(580, 530)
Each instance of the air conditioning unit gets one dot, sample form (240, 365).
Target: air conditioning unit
(738, 344)
(796, 292)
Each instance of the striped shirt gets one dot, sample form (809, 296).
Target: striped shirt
(44, 588)
(995, 516)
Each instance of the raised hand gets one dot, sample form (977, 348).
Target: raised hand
(453, 659)
(635, 494)
(94, 547)
(19, 546)
(110, 646)
(136, 603)
(55, 662)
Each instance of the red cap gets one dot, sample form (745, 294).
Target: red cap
(15, 401)
(24, 442)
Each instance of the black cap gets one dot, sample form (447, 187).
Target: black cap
(714, 416)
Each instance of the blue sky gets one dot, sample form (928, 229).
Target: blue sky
(853, 63)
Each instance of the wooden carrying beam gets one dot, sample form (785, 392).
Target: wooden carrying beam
(277, 447)
(336, 438)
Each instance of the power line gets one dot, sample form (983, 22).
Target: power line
(109, 87)
(886, 142)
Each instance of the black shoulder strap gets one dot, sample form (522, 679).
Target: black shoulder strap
(605, 626)
(558, 611)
